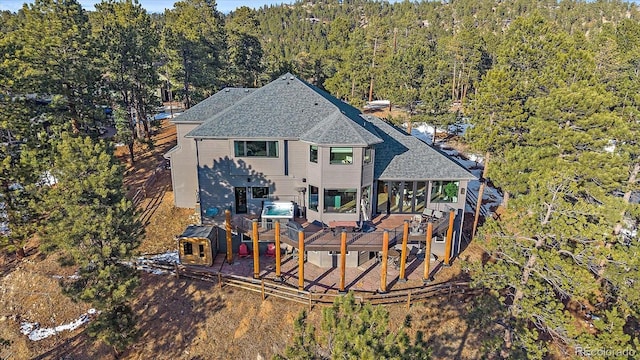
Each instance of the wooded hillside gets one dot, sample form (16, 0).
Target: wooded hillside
(551, 89)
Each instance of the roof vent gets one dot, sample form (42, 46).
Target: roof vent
(227, 89)
(284, 78)
(291, 78)
(315, 103)
(246, 90)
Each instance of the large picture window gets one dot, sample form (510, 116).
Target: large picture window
(340, 200)
(255, 148)
(341, 155)
(313, 153)
(444, 191)
(313, 197)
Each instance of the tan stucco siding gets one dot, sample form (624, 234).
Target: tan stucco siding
(184, 177)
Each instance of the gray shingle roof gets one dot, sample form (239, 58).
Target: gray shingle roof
(213, 104)
(287, 108)
(404, 157)
(197, 231)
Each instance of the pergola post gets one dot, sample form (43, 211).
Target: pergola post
(227, 227)
(278, 259)
(448, 245)
(256, 250)
(426, 277)
(403, 254)
(383, 268)
(343, 259)
(301, 260)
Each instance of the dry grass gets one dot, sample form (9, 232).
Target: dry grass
(30, 292)
(163, 221)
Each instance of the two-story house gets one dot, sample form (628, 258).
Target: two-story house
(292, 141)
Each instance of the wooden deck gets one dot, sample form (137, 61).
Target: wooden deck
(319, 238)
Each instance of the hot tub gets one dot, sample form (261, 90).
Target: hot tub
(277, 210)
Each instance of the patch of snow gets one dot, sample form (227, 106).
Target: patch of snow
(170, 257)
(423, 132)
(48, 178)
(145, 263)
(35, 333)
(377, 104)
(72, 277)
(154, 271)
(15, 186)
(161, 116)
(4, 224)
(611, 147)
(459, 128)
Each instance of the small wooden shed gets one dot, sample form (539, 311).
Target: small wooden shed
(198, 245)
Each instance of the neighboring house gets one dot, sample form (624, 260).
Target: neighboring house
(292, 141)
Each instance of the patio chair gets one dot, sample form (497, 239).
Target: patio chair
(243, 251)
(271, 250)
(427, 214)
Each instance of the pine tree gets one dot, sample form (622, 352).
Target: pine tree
(54, 54)
(95, 228)
(349, 330)
(129, 44)
(244, 50)
(124, 133)
(556, 238)
(193, 37)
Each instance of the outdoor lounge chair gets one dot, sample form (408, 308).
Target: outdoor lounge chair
(271, 250)
(427, 214)
(243, 251)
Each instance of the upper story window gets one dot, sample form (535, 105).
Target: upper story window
(341, 155)
(255, 148)
(313, 153)
(367, 155)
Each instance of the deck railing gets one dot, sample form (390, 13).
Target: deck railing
(269, 288)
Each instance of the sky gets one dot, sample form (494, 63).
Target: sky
(224, 6)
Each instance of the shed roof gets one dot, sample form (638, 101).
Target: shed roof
(197, 231)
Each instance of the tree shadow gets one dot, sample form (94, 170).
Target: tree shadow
(219, 180)
(457, 325)
(172, 312)
(155, 195)
(147, 159)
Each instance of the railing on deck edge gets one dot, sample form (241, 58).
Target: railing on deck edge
(269, 288)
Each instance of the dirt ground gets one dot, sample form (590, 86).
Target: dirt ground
(189, 319)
